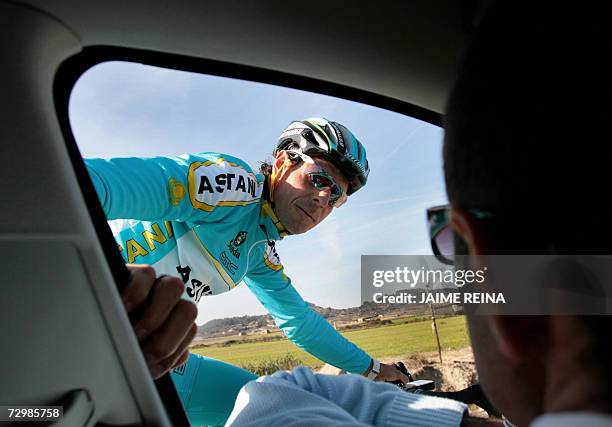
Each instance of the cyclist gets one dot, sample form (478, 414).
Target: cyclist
(210, 219)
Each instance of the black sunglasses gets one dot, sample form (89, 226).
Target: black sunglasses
(441, 234)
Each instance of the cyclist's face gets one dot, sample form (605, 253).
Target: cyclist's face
(298, 203)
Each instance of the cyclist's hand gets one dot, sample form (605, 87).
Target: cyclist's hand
(162, 321)
(390, 373)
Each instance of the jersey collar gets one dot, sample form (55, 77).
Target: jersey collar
(274, 225)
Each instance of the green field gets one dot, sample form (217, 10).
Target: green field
(380, 342)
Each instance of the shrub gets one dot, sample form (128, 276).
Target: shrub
(268, 367)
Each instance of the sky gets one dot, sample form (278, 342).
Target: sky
(120, 109)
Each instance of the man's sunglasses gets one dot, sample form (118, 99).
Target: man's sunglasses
(441, 233)
(321, 180)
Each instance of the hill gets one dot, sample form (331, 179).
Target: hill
(244, 325)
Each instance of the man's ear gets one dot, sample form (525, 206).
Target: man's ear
(466, 227)
(280, 159)
(520, 339)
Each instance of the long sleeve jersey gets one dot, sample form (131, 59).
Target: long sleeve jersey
(204, 218)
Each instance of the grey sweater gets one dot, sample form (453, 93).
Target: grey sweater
(301, 398)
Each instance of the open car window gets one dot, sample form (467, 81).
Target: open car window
(120, 109)
(128, 110)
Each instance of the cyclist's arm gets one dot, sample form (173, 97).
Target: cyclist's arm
(302, 325)
(184, 188)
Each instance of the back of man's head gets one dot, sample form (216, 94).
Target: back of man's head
(527, 139)
(526, 125)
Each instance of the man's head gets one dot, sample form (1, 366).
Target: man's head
(299, 204)
(525, 141)
(317, 164)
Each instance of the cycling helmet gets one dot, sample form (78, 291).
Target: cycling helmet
(332, 141)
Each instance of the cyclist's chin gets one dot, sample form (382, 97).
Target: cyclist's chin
(299, 227)
(296, 222)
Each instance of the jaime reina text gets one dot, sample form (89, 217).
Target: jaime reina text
(441, 298)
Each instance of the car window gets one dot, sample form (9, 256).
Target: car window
(121, 109)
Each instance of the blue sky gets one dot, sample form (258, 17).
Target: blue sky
(122, 109)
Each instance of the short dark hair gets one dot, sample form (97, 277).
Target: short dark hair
(525, 134)
(265, 168)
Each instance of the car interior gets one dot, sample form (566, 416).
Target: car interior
(66, 338)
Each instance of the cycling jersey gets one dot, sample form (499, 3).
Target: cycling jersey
(204, 218)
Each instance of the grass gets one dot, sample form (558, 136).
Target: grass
(380, 342)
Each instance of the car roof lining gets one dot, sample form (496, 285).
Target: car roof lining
(404, 51)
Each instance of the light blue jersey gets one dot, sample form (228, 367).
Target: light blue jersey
(204, 218)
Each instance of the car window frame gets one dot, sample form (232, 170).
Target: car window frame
(77, 65)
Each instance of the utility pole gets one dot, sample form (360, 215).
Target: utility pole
(434, 326)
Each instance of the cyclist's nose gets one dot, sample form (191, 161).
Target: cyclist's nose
(321, 198)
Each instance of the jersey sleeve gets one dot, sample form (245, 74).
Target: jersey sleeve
(192, 188)
(300, 323)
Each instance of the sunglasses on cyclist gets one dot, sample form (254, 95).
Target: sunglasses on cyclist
(321, 180)
(441, 234)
